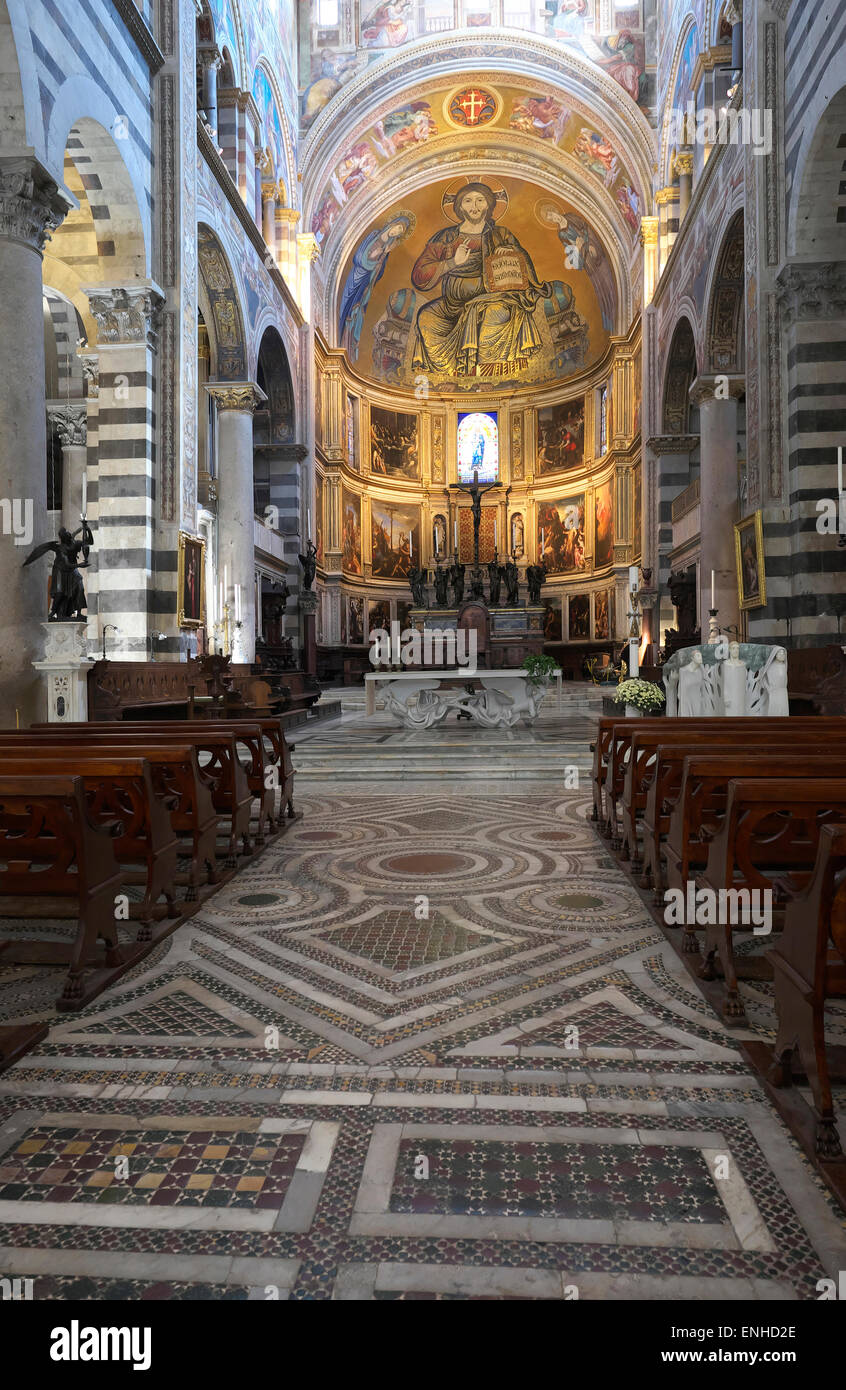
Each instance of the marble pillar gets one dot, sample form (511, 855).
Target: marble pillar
(236, 402)
(70, 422)
(268, 216)
(211, 62)
(684, 169)
(717, 404)
(31, 206)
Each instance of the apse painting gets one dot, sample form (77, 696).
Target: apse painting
(604, 538)
(561, 437)
(602, 601)
(467, 284)
(552, 629)
(579, 617)
(478, 447)
(351, 530)
(395, 538)
(561, 534)
(356, 622)
(378, 614)
(393, 443)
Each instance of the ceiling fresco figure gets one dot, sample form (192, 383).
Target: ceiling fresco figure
(368, 266)
(482, 322)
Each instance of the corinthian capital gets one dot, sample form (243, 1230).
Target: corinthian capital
(71, 423)
(812, 290)
(31, 206)
(245, 396)
(125, 314)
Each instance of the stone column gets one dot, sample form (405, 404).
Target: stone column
(70, 421)
(649, 242)
(666, 200)
(268, 216)
(286, 223)
(718, 496)
(684, 169)
(31, 207)
(131, 594)
(211, 61)
(236, 402)
(308, 249)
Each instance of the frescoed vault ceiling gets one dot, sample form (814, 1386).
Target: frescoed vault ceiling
(609, 37)
(471, 280)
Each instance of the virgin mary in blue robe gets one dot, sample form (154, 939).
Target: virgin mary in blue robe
(368, 267)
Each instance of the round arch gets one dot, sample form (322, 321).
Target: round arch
(814, 229)
(221, 308)
(725, 300)
(680, 373)
(273, 374)
(688, 44)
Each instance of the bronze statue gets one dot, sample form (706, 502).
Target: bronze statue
(456, 579)
(477, 584)
(442, 578)
(309, 564)
(67, 594)
(494, 581)
(417, 584)
(535, 576)
(512, 582)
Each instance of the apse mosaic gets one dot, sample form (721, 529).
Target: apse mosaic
(561, 437)
(561, 534)
(471, 282)
(395, 538)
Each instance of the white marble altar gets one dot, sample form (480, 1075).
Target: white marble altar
(499, 699)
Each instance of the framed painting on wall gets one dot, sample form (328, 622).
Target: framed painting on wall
(579, 617)
(191, 586)
(749, 553)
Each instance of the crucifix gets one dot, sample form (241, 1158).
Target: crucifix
(476, 490)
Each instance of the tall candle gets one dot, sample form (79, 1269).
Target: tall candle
(435, 538)
(455, 531)
(237, 603)
(713, 600)
(308, 523)
(84, 492)
(410, 545)
(494, 533)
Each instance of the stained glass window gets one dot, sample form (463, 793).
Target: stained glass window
(478, 447)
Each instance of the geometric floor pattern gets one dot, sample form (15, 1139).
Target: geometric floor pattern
(431, 1045)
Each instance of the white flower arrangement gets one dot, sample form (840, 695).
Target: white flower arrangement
(642, 695)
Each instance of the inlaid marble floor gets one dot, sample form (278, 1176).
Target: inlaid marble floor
(431, 1045)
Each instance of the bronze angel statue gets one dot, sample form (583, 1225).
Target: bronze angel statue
(67, 594)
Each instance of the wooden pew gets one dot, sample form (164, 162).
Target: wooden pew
(647, 774)
(119, 798)
(55, 863)
(691, 781)
(809, 967)
(222, 771)
(254, 733)
(768, 841)
(177, 782)
(622, 731)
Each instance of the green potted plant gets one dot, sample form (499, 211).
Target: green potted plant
(638, 696)
(539, 668)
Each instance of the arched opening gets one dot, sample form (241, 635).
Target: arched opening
(678, 492)
(277, 482)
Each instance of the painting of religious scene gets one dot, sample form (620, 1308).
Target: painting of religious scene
(579, 617)
(552, 630)
(356, 624)
(603, 550)
(470, 283)
(561, 436)
(404, 614)
(318, 521)
(395, 538)
(561, 535)
(393, 443)
(602, 601)
(343, 622)
(378, 615)
(351, 531)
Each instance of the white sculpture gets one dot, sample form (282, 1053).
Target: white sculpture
(501, 703)
(691, 687)
(734, 682)
(722, 678)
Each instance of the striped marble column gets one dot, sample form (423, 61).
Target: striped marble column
(30, 208)
(130, 596)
